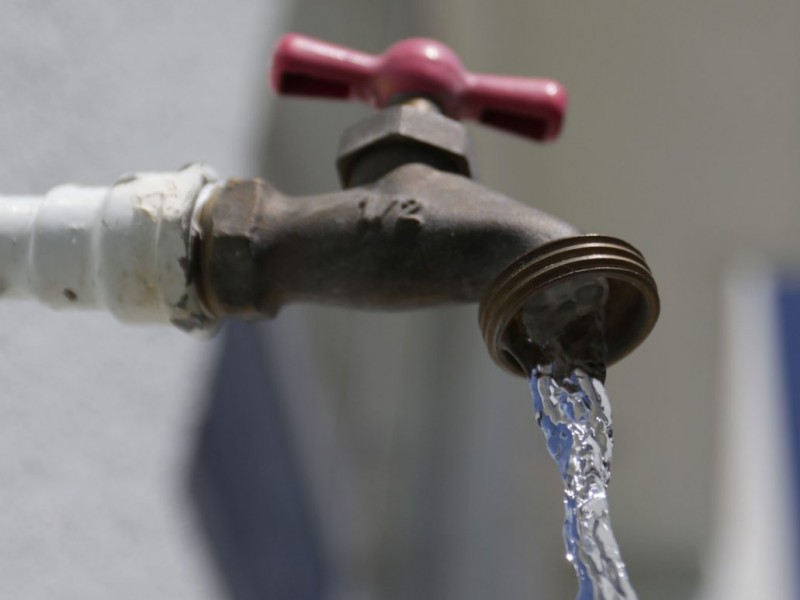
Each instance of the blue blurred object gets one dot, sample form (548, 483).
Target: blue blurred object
(788, 299)
(246, 480)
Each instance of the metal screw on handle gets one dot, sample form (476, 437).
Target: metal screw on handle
(417, 67)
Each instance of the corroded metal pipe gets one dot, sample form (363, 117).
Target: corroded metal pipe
(416, 237)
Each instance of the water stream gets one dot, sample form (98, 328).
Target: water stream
(565, 356)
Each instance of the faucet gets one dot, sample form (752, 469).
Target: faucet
(410, 228)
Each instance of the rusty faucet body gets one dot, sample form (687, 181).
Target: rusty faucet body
(416, 231)
(411, 228)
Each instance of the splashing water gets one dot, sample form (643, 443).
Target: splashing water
(575, 417)
(565, 356)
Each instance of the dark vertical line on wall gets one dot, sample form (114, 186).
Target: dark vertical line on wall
(246, 480)
(788, 299)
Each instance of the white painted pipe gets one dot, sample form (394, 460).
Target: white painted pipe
(126, 248)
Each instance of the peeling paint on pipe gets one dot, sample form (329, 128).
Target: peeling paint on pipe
(126, 248)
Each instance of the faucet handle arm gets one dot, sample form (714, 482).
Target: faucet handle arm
(533, 108)
(416, 67)
(304, 66)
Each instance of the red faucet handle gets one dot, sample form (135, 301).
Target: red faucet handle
(530, 107)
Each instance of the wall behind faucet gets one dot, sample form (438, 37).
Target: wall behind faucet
(97, 416)
(682, 138)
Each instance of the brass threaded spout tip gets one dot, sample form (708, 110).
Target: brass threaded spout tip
(631, 310)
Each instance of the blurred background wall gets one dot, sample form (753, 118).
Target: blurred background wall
(420, 466)
(98, 417)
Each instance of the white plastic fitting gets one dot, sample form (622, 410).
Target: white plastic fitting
(127, 248)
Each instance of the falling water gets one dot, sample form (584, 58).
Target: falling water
(565, 356)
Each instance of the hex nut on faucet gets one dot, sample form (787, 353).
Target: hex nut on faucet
(398, 135)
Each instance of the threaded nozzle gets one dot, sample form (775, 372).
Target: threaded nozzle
(631, 310)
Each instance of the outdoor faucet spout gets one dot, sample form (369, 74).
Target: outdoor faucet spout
(416, 237)
(412, 228)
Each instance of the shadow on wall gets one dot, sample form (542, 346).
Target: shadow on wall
(246, 481)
